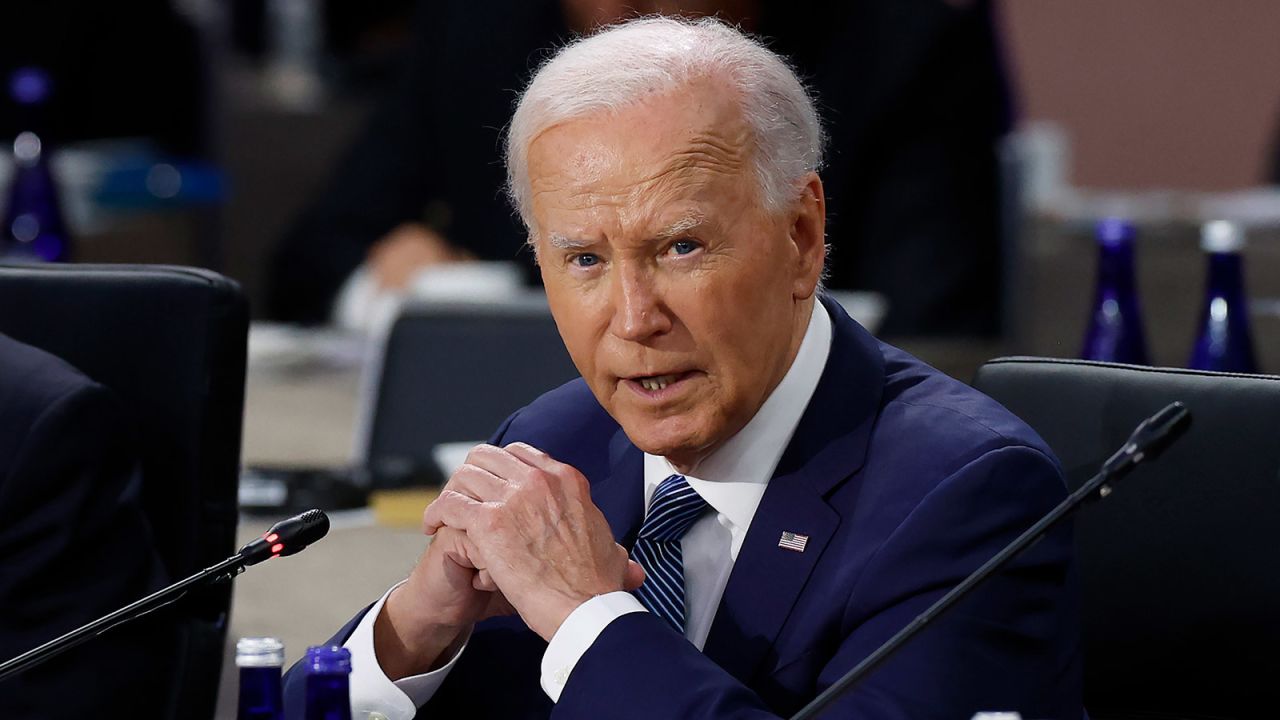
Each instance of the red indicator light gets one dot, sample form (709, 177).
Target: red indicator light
(277, 547)
(271, 537)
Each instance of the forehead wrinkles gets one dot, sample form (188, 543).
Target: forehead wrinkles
(700, 160)
(705, 159)
(631, 173)
(712, 151)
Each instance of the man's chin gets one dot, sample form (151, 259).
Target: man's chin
(681, 448)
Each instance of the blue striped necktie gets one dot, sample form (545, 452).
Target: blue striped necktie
(673, 509)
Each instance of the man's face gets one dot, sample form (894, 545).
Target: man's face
(681, 300)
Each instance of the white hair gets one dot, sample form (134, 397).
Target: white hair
(629, 62)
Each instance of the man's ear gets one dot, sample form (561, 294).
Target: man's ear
(809, 236)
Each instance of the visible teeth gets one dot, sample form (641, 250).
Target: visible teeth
(657, 383)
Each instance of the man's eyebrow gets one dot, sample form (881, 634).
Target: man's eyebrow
(674, 230)
(680, 227)
(563, 242)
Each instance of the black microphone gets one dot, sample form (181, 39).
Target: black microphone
(1146, 442)
(1149, 439)
(284, 538)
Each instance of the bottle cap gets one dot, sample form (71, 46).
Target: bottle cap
(330, 660)
(1221, 236)
(1114, 231)
(259, 652)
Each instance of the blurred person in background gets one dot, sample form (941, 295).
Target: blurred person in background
(74, 544)
(911, 91)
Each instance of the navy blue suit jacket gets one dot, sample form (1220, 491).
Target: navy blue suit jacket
(74, 544)
(905, 481)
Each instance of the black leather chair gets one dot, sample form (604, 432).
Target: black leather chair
(1179, 565)
(451, 372)
(170, 342)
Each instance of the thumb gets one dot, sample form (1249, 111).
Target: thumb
(634, 577)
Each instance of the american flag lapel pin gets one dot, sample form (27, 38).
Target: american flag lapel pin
(793, 541)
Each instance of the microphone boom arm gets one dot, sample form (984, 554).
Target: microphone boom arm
(284, 538)
(224, 570)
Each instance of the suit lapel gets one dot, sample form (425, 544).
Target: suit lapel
(828, 447)
(621, 495)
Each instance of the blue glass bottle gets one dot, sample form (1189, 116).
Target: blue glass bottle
(33, 229)
(1224, 342)
(328, 683)
(1115, 331)
(260, 660)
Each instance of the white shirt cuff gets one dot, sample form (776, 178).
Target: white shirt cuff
(577, 633)
(372, 691)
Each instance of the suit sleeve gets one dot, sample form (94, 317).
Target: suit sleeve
(75, 545)
(1005, 647)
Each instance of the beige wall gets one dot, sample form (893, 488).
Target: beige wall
(1153, 93)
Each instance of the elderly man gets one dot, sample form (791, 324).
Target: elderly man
(778, 491)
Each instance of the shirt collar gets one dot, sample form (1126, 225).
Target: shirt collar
(733, 478)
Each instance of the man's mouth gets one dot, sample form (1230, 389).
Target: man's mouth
(657, 382)
(653, 386)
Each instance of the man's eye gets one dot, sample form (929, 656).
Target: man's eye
(585, 260)
(684, 247)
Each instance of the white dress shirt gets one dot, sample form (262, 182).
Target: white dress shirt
(732, 480)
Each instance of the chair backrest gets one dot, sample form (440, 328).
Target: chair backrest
(452, 373)
(1178, 566)
(170, 342)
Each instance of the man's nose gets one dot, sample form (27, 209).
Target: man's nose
(638, 310)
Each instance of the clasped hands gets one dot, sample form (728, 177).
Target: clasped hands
(513, 529)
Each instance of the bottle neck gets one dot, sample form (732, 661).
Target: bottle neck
(1115, 269)
(1225, 276)
(1115, 332)
(328, 696)
(260, 694)
(1224, 342)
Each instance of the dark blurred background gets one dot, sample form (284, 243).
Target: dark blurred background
(200, 132)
